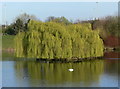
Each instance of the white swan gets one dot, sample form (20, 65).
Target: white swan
(70, 69)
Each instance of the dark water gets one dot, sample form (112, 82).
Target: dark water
(18, 72)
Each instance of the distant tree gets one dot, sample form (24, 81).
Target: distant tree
(22, 21)
(108, 25)
(77, 21)
(26, 17)
(9, 30)
(14, 28)
(51, 18)
(20, 24)
(62, 20)
(111, 25)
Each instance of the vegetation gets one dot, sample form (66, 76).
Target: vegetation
(61, 20)
(52, 40)
(108, 25)
(58, 37)
(20, 24)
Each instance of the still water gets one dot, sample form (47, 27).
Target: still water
(21, 72)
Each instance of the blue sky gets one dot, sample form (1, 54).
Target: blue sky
(71, 10)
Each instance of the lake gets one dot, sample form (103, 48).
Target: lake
(22, 72)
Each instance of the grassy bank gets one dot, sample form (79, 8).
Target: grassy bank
(7, 41)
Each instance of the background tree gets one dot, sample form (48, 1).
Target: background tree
(62, 20)
(9, 30)
(26, 17)
(20, 24)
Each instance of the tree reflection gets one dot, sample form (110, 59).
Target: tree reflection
(57, 73)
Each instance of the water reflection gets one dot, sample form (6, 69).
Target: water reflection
(111, 66)
(57, 73)
(21, 72)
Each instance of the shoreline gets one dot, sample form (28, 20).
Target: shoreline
(69, 60)
(106, 49)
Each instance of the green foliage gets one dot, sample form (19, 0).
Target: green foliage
(61, 20)
(86, 43)
(15, 28)
(52, 40)
(19, 44)
(9, 30)
(20, 24)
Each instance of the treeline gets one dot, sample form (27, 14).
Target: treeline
(108, 25)
(51, 40)
(19, 24)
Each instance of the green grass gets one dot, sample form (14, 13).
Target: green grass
(7, 41)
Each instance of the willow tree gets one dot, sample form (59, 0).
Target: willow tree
(52, 40)
(19, 44)
(85, 41)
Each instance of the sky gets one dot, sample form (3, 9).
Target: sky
(70, 10)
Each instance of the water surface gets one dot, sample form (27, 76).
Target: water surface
(22, 72)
